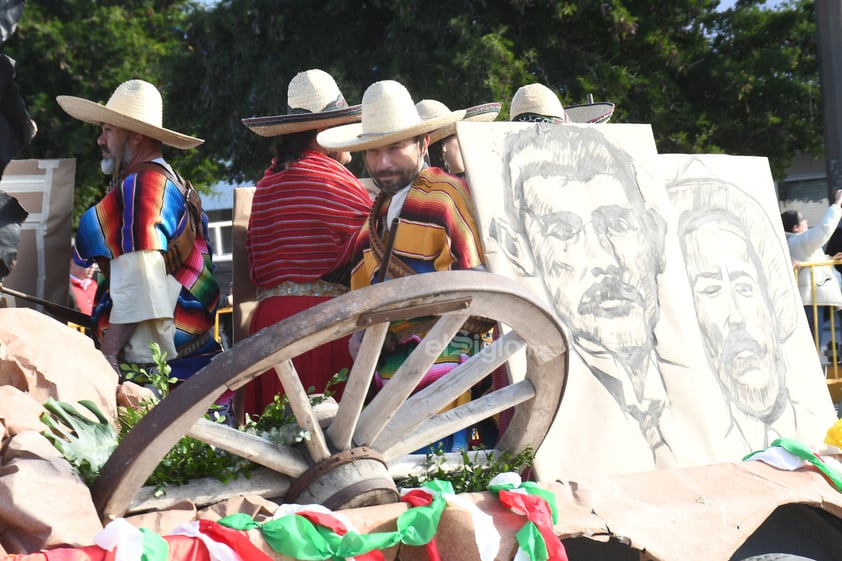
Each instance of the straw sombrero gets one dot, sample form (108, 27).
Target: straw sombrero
(538, 103)
(136, 106)
(593, 113)
(429, 108)
(388, 116)
(313, 102)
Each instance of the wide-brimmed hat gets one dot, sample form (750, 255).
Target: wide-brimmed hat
(594, 113)
(389, 116)
(538, 103)
(313, 102)
(430, 108)
(136, 106)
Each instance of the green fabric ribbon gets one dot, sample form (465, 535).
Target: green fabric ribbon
(800, 450)
(297, 537)
(155, 548)
(531, 541)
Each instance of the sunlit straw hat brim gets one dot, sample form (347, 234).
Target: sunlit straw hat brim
(135, 106)
(351, 138)
(484, 113)
(288, 124)
(314, 101)
(593, 113)
(388, 116)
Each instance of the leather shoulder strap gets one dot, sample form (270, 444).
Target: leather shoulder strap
(397, 268)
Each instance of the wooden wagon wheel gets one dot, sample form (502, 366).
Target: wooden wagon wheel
(394, 423)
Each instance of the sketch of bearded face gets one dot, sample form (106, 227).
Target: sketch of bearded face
(591, 248)
(580, 224)
(735, 314)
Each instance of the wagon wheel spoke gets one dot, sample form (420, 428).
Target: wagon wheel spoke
(387, 402)
(299, 402)
(359, 380)
(425, 404)
(461, 417)
(283, 459)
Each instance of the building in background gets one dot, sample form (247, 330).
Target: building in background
(219, 210)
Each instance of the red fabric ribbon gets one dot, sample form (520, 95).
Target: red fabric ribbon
(539, 513)
(420, 497)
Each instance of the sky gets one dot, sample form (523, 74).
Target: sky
(725, 4)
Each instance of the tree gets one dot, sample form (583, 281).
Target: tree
(86, 48)
(759, 83)
(744, 81)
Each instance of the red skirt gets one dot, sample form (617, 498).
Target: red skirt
(315, 368)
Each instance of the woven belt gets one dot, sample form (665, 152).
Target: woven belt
(185, 350)
(194, 344)
(314, 288)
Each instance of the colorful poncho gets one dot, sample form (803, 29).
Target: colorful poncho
(437, 230)
(304, 220)
(146, 212)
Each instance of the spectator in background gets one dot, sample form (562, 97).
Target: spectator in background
(305, 215)
(807, 245)
(83, 286)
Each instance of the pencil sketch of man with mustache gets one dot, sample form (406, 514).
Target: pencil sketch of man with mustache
(737, 278)
(576, 218)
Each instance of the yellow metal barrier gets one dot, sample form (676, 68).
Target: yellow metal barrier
(220, 312)
(77, 327)
(831, 364)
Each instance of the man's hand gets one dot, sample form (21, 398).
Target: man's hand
(354, 343)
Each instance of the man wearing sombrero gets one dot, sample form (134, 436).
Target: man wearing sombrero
(305, 215)
(444, 150)
(423, 214)
(150, 242)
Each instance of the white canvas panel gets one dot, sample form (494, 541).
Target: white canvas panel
(750, 315)
(580, 215)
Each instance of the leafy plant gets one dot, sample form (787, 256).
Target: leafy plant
(159, 378)
(88, 444)
(189, 458)
(277, 423)
(470, 477)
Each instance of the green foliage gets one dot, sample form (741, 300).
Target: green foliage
(744, 81)
(159, 379)
(277, 423)
(85, 444)
(189, 458)
(86, 48)
(192, 459)
(470, 477)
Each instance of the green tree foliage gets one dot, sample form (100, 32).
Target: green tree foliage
(744, 81)
(759, 85)
(86, 48)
